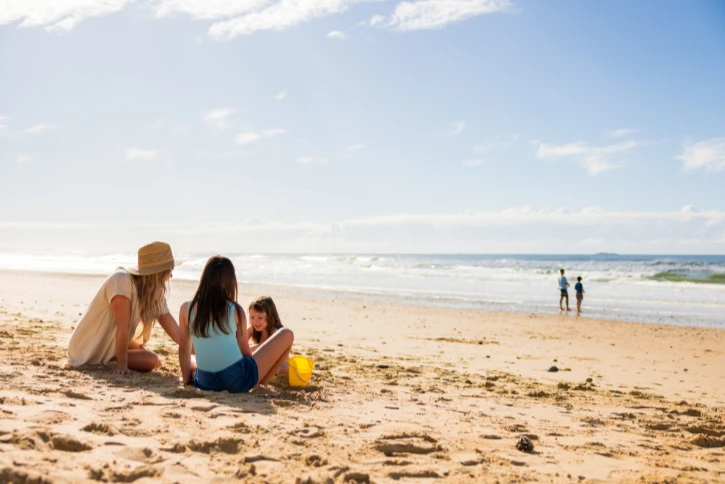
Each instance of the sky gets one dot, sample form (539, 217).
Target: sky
(363, 126)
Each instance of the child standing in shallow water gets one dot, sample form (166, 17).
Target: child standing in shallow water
(579, 288)
(264, 322)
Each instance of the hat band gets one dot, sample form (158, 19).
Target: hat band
(155, 258)
(156, 268)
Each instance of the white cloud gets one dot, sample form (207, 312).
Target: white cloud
(21, 159)
(208, 9)
(621, 132)
(337, 35)
(595, 159)
(708, 154)
(218, 117)
(56, 15)
(139, 154)
(353, 148)
(311, 160)
(278, 16)
(689, 209)
(39, 128)
(232, 18)
(436, 14)
(588, 216)
(252, 136)
(377, 20)
(456, 128)
(280, 95)
(474, 162)
(513, 230)
(246, 138)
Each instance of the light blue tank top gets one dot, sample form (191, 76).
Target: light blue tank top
(219, 350)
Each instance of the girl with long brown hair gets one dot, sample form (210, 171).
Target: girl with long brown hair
(213, 324)
(264, 321)
(119, 320)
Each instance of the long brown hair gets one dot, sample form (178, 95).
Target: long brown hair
(151, 291)
(217, 288)
(264, 304)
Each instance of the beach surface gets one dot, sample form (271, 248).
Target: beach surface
(399, 394)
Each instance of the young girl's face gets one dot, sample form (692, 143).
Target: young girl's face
(258, 320)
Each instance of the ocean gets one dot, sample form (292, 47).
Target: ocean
(668, 289)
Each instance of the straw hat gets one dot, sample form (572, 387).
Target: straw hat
(154, 258)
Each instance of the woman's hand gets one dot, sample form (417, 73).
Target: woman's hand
(122, 371)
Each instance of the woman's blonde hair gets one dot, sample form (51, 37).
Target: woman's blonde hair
(151, 291)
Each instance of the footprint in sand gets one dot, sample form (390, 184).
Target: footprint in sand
(68, 444)
(315, 460)
(16, 475)
(357, 477)
(227, 445)
(49, 417)
(100, 428)
(76, 395)
(124, 476)
(308, 432)
(492, 437)
(175, 449)
(407, 444)
(136, 454)
(204, 408)
(25, 442)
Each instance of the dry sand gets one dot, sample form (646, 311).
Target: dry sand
(400, 393)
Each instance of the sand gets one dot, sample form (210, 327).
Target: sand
(400, 394)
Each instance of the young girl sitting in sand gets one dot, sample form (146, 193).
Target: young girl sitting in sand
(215, 325)
(264, 322)
(128, 297)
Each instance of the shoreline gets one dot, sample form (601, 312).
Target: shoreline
(456, 302)
(399, 392)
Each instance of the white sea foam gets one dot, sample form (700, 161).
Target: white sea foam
(616, 286)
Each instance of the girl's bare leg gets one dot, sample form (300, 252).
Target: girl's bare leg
(284, 369)
(271, 354)
(141, 359)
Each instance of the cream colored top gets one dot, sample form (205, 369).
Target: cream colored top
(94, 340)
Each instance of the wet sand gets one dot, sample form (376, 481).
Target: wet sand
(400, 394)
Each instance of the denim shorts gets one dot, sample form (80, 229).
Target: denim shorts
(239, 377)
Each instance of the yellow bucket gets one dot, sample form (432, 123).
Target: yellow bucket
(300, 370)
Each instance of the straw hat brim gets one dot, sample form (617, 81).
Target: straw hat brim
(149, 270)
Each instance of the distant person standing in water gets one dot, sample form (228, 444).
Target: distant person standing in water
(563, 286)
(579, 287)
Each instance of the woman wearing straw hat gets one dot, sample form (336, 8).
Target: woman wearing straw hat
(110, 327)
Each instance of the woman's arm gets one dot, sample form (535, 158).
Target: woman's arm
(184, 344)
(242, 333)
(121, 307)
(170, 325)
